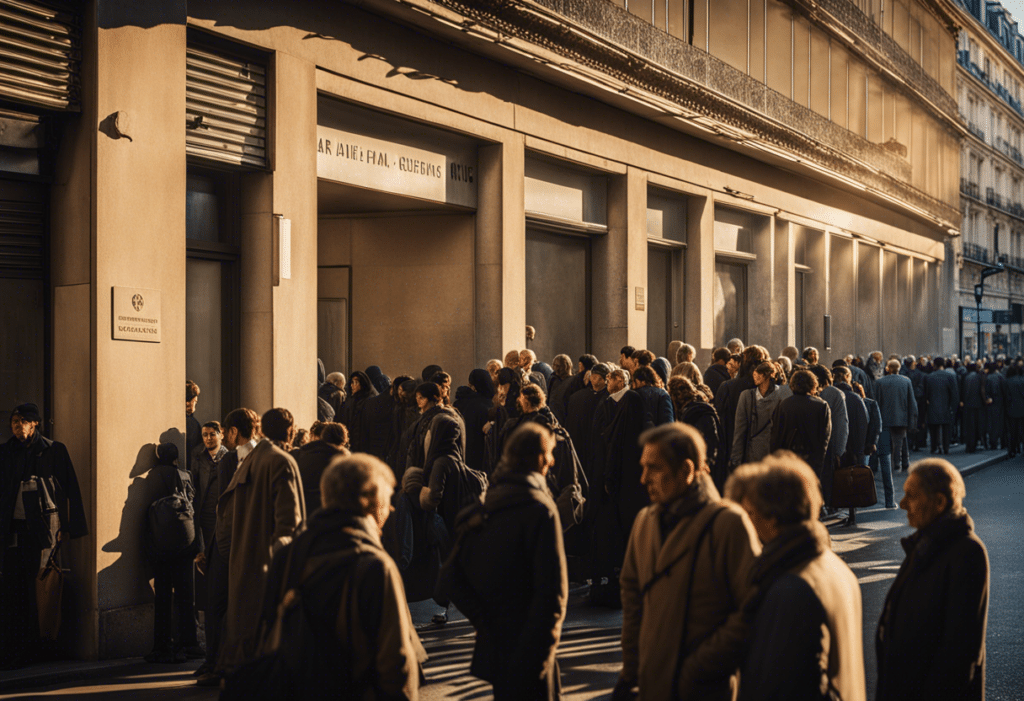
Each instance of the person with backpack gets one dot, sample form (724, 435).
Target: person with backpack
(334, 615)
(172, 542)
(684, 577)
(508, 573)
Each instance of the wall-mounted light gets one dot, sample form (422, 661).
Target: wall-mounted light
(282, 249)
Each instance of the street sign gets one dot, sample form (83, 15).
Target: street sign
(970, 315)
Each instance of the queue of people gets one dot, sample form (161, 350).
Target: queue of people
(694, 501)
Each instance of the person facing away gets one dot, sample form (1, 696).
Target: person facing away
(509, 572)
(314, 457)
(930, 640)
(942, 396)
(171, 558)
(805, 610)
(803, 423)
(257, 516)
(351, 588)
(684, 577)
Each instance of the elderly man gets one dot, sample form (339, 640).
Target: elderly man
(735, 346)
(527, 359)
(801, 589)
(37, 475)
(332, 391)
(370, 624)
(931, 636)
(684, 577)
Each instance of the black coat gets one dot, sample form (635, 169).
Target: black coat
(376, 425)
(510, 580)
(803, 424)
(580, 416)
(1015, 397)
(995, 413)
(931, 637)
(703, 417)
(352, 413)
(312, 459)
(942, 393)
(657, 406)
(47, 460)
(857, 414)
(727, 398)
(476, 412)
(714, 376)
(193, 434)
(559, 401)
(973, 392)
(334, 396)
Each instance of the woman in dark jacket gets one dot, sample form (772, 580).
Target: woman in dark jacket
(476, 408)
(380, 381)
(360, 389)
(509, 575)
(803, 423)
(690, 408)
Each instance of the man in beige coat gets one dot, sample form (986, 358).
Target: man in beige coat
(257, 514)
(684, 577)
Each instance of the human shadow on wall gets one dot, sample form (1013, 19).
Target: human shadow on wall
(126, 582)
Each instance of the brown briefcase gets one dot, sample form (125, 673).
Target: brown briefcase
(853, 487)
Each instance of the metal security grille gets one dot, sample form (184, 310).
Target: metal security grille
(226, 109)
(21, 239)
(40, 53)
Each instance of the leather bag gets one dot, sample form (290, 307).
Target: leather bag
(853, 487)
(49, 592)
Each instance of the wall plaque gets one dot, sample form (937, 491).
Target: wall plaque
(640, 302)
(136, 314)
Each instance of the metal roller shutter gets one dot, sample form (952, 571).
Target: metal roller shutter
(22, 225)
(39, 56)
(226, 109)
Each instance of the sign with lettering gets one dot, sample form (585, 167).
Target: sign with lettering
(136, 314)
(438, 174)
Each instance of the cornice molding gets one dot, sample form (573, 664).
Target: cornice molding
(605, 38)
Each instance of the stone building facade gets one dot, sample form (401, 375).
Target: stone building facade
(990, 72)
(402, 183)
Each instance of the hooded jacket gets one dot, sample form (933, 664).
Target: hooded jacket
(352, 413)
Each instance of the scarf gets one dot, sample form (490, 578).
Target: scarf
(795, 545)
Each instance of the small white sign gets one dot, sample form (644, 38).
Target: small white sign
(136, 314)
(439, 175)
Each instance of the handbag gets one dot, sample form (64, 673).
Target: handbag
(49, 591)
(853, 487)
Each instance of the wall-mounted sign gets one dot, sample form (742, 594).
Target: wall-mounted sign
(438, 174)
(136, 314)
(640, 302)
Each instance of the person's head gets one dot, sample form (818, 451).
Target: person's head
(721, 356)
(337, 379)
(778, 492)
(672, 455)
(301, 438)
(481, 383)
(803, 382)
(527, 358)
(407, 392)
(562, 365)
(645, 376)
(841, 374)
(213, 434)
(25, 420)
(858, 389)
(531, 333)
(240, 426)
(278, 425)
(428, 395)
(512, 359)
(396, 386)
(752, 357)
(673, 350)
(444, 381)
(530, 448)
(359, 483)
(764, 375)
(735, 346)
(733, 364)
(690, 371)
(618, 380)
(316, 430)
(191, 397)
(810, 355)
(791, 352)
(429, 372)
(586, 362)
(938, 362)
(357, 383)
(933, 488)
(822, 374)
(839, 362)
(682, 391)
(531, 399)
(641, 359)
(892, 367)
(785, 363)
(876, 356)
(685, 354)
(166, 454)
(599, 377)
(494, 367)
(626, 355)
(335, 434)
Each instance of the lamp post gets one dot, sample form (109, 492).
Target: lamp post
(979, 294)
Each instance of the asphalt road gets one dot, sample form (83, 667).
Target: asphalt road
(589, 654)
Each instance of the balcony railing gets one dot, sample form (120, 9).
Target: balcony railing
(976, 252)
(963, 57)
(970, 189)
(992, 198)
(976, 130)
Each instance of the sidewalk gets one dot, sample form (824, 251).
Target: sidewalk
(54, 673)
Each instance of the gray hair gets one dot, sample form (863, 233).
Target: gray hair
(938, 476)
(350, 479)
(735, 345)
(782, 487)
(685, 353)
(562, 365)
(337, 379)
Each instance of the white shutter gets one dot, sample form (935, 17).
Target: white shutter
(226, 109)
(39, 55)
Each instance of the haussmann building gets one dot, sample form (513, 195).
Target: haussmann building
(225, 191)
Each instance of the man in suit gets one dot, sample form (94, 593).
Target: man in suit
(942, 395)
(895, 396)
(973, 399)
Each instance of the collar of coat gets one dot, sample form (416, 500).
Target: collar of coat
(510, 489)
(359, 527)
(701, 493)
(795, 545)
(936, 537)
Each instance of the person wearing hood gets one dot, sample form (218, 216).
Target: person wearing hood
(663, 368)
(476, 406)
(380, 381)
(800, 590)
(404, 417)
(752, 434)
(377, 419)
(430, 403)
(509, 575)
(361, 389)
(372, 625)
(693, 409)
(510, 384)
(930, 640)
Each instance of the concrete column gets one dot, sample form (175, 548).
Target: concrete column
(619, 267)
(761, 278)
(783, 302)
(816, 289)
(700, 276)
(842, 297)
(500, 312)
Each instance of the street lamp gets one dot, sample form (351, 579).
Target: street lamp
(979, 293)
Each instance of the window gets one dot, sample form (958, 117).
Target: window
(730, 302)
(558, 292)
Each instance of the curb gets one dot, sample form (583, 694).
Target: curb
(41, 675)
(989, 462)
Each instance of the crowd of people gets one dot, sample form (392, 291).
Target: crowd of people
(699, 495)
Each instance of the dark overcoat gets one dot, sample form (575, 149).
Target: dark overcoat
(942, 395)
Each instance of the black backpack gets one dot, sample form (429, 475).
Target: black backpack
(171, 518)
(296, 660)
